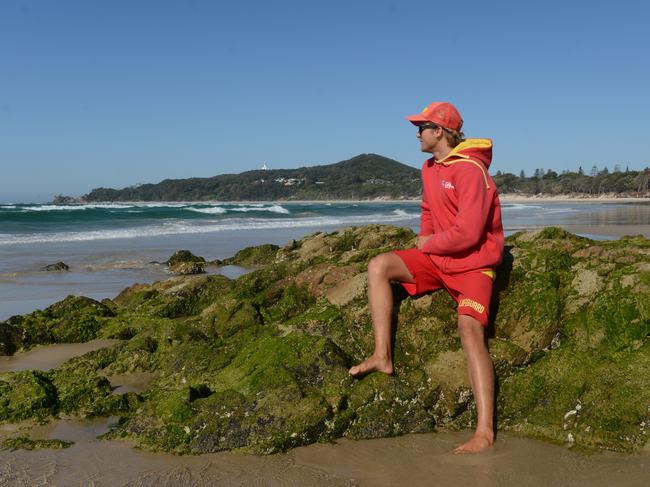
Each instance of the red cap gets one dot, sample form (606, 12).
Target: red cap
(441, 113)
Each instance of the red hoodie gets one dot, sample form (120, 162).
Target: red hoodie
(461, 210)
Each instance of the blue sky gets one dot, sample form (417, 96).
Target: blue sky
(97, 93)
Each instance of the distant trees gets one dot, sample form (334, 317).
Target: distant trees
(631, 183)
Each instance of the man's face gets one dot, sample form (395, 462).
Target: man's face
(430, 136)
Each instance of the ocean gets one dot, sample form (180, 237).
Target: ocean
(111, 246)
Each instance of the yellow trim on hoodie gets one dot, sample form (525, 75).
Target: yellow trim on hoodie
(468, 144)
(490, 273)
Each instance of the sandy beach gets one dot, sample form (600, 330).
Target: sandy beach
(416, 460)
(504, 197)
(606, 198)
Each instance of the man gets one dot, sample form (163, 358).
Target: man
(458, 247)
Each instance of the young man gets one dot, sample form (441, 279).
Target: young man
(459, 245)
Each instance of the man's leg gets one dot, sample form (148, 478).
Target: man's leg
(381, 271)
(481, 373)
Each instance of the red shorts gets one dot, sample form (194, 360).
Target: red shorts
(471, 290)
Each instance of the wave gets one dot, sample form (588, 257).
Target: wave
(75, 207)
(258, 207)
(216, 210)
(161, 205)
(8, 207)
(536, 210)
(399, 212)
(550, 211)
(186, 227)
(520, 206)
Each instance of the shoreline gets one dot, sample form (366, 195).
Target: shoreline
(413, 459)
(513, 198)
(504, 197)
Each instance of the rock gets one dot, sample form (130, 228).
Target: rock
(184, 262)
(187, 268)
(25, 395)
(10, 335)
(260, 362)
(73, 320)
(347, 290)
(253, 256)
(59, 266)
(183, 256)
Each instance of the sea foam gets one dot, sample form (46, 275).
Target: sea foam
(258, 207)
(75, 207)
(216, 210)
(200, 226)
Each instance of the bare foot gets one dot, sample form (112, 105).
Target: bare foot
(372, 364)
(476, 444)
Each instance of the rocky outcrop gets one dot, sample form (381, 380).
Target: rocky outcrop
(261, 362)
(260, 255)
(184, 263)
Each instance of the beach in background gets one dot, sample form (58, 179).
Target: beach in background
(112, 246)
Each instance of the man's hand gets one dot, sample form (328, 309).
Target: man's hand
(422, 239)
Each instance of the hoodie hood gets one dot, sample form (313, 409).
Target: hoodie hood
(479, 150)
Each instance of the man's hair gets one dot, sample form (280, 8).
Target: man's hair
(453, 137)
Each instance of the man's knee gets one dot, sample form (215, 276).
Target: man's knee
(379, 266)
(468, 326)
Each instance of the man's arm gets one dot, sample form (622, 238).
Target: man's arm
(473, 210)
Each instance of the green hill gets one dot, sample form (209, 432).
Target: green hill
(365, 176)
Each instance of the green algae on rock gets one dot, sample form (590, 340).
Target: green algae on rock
(260, 362)
(76, 319)
(184, 263)
(26, 394)
(25, 443)
(259, 255)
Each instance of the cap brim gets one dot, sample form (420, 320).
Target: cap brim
(416, 119)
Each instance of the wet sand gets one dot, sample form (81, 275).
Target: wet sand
(134, 382)
(414, 460)
(50, 356)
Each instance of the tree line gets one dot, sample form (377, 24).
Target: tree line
(597, 182)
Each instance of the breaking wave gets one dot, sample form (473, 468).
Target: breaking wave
(197, 227)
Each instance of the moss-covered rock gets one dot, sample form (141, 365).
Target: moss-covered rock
(183, 256)
(261, 362)
(25, 395)
(184, 262)
(260, 255)
(75, 319)
(10, 335)
(26, 443)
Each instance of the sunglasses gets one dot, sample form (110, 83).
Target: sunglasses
(422, 128)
